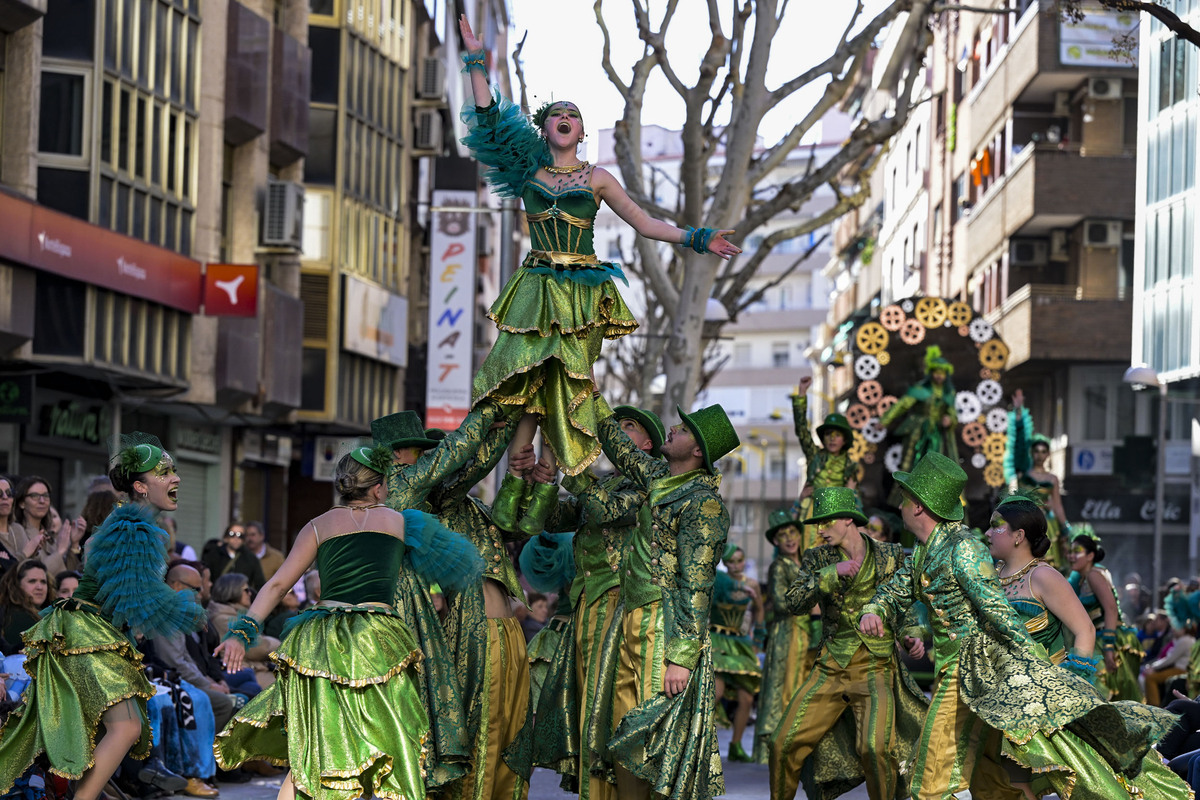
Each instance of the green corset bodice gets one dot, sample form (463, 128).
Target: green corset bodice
(728, 618)
(560, 223)
(360, 567)
(1045, 628)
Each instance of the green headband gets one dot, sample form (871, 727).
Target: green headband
(377, 458)
(139, 452)
(539, 116)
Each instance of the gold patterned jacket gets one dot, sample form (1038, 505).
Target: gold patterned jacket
(686, 536)
(602, 513)
(818, 582)
(952, 572)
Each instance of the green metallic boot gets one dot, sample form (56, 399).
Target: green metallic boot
(508, 501)
(736, 753)
(544, 498)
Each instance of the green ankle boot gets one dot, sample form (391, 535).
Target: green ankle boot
(544, 498)
(736, 753)
(508, 501)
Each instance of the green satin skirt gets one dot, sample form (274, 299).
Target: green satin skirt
(551, 332)
(735, 661)
(80, 667)
(1123, 683)
(344, 712)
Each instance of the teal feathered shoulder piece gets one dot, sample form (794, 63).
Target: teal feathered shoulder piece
(127, 557)
(723, 587)
(548, 561)
(502, 138)
(1017, 458)
(439, 554)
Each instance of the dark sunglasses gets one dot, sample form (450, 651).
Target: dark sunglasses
(6, 493)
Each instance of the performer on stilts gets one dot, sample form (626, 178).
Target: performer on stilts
(555, 312)
(995, 695)
(735, 653)
(655, 726)
(345, 712)
(1025, 470)
(1046, 604)
(857, 714)
(87, 675)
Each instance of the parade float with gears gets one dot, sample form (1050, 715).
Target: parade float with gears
(893, 357)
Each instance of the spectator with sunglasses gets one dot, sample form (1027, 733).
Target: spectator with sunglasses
(231, 555)
(14, 542)
(231, 597)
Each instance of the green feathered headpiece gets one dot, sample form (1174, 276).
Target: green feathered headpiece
(539, 116)
(378, 458)
(1039, 438)
(1027, 493)
(139, 452)
(1084, 529)
(934, 360)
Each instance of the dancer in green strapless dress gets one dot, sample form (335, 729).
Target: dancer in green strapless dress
(87, 673)
(556, 311)
(735, 655)
(1063, 763)
(345, 712)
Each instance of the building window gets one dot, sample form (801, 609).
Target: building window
(742, 355)
(780, 354)
(62, 126)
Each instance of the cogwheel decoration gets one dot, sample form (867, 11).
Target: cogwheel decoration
(993, 446)
(857, 449)
(866, 368)
(931, 311)
(979, 460)
(993, 354)
(883, 358)
(873, 432)
(993, 475)
(912, 332)
(959, 314)
(858, 415)
(892, 317)
(885, 402)
(997, 420)
(981, 330)
(871, 338)
(989, 393)
(892, 457)
(907, 306)
(870, 392)
(966, 405)
(974, 434)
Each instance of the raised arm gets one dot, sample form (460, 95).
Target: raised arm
(475, 56)
(491, 450)
(976, 575)
(800, 420)
(452, 453)
(637, 465)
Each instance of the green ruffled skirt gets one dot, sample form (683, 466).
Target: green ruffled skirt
(735, 660)
(344, 712)
(1123, 683)
(80, 667)
(551, 332)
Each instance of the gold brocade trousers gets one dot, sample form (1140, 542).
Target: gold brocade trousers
(643, 659)
(592, 621)
(502, 717)
(958, 750)
(867, 687)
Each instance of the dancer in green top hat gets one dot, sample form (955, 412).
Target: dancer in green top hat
(925, 415)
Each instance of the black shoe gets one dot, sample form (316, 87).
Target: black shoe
(157, 775)
(234, 776)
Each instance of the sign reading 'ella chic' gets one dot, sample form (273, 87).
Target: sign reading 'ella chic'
(1124, 508)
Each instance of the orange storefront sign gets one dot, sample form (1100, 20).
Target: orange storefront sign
(231, 290)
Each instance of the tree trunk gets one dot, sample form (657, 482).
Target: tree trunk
(682, 358)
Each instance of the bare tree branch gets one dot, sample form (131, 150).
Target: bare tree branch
(519, 66)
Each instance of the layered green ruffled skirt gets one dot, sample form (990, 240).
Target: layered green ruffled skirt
(80, 667)
(344, 712)
(1121, 684)
(551, 332)
(735, 660)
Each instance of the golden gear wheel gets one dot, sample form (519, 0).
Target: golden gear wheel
(930, 311)
(885, 402)
(912, 332)
(974, 434)
(871, 338)
(993, 354)
(883, 358)
(993, 446)
(892, 317)
(857, 449)
(870, 392)
(993, 475)
(959, 314)
(858, 415)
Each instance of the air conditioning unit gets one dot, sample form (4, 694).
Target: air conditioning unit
(283, 215)
(1028, 252)
(1058, 246)
(427, 129)
(1062, 104)
(1105, 88)
(433, 79)
(1103, 232)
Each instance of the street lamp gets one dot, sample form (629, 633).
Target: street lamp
(1140, 376)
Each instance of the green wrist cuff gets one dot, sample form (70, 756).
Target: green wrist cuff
(684, 652)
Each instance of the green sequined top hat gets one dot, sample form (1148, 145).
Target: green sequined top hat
(435, 434)
(378, 458)
(400, 430)
(139, 452)
(836, 502)
(935, 360)
(713, 431)
(836, 422)
(780, 518)
(648, 420)
(938, 482)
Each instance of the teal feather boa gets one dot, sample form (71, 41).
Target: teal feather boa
(502, 138)
(439, 554)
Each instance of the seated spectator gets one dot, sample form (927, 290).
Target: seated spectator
(1173, 661)
(1154, 633)
(288, 607)
(14, 543)
(232, 596)
(269, 558)
(229, 555)
(55, 543)
(1181, 746)
(24, 592)
(66, 582)
(312, 589)
(177, 548)
(96, 508)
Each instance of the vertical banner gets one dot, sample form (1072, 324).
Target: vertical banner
(451, 310)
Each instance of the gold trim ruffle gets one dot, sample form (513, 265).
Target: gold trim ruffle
(414, 656)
